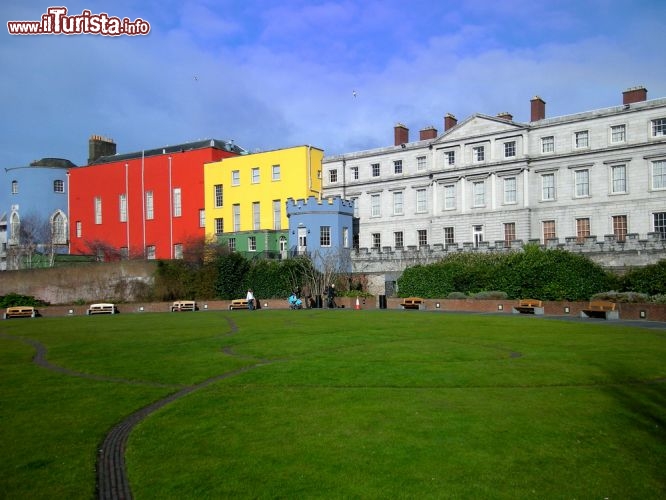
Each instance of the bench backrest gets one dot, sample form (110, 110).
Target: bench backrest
(184, 304)
(412, 300)
(101, 307)
(602, 305)
(530, 303)
(20, 309)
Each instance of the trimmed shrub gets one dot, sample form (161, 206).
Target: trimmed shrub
(649, 279)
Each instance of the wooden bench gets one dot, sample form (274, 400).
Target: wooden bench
(184, 305)
(238, 304)
(413, 303)
(528, 306)
(600, 309)
(21, 312)
(102, 309)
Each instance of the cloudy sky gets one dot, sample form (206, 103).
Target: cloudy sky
(274, 74)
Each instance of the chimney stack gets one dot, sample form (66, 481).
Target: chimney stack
(99, 146)
(634, 94)
(427, 133)
(538, 109)
(400, 134)
(505, 116)
(450, 121)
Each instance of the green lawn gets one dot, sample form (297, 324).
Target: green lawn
(338, 404)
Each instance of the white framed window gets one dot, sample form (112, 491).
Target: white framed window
(231, 243)
(345, 237)
(397, 166)
(150, 252)
(618, 179)
(14, 228)
(450, 157)
(15, 187)
(375, 169)
(618, 133)
(277, 214)
(354, 173)
(58, 228)
(219, 225)
(177, 203)
(479, 154)
(275, 172)
(255, 175)
(398, 239)
(421, 201)
(376, 240)
(236, 214)
(58, 186)
(79, 228)
(582, 183)
(252, 243)
(375, 205)
(659, 174)
(178, 251)
(449, 235)
(356, 207)
(98, 209)
(422, 236)
(548, 144)
(202, 217)
(218, 193)
(479, 193)
(122, 206)
(449, 196)
(659, 127)
(150, 212)
(235, 177)
(509, 149)
(256, 215)
(398, 203)
(548, 187)
(325, 236)
(421, 163)
(333, 176)
(509, 190)
(659, 224)
(581, 139)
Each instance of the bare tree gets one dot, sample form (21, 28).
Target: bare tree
(318, 269)
(30, 238)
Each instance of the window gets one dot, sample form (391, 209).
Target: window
(375, 169)
(275, 172)
(79, 229)
(14, 187)
(421, 201)
(449, 196)
(124, 253)
(659, 127)
(256, 216)
(15, 228)
(376, 240)
(150, 252)
(58, 228)
(355, 203)
(202, 217)
(345, 237)
(277, 214)
(582, 229)
(449, 236)
(509, 190)
(219, 225)
(231, 243)
(548, 230)
(58, 186)
(618, 133)
(660, 224)
(581, 139)
(450, 157)
(509, 149)
(325, 236)
(659, 174)
(255, 175)
(548, 187)
(478, 153)
(354, 173)
(397, 239)
(122, 206)
(177, 203)
(420, 163)
(619, 179)
(333, 175)
(397, 166)
(509, 233)
(236, 214)
(235, 177)
(422, 235)
(178, 251)
(620, 227)
(150, 214)
(98, 210)
(479, 193)
(252, 243)
(375, 205)
(548, 144)
(398, 203)
(582, 183)
(218, 193)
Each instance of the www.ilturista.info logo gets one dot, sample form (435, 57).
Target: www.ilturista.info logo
(57, 22)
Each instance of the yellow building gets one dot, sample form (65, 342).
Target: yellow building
(245, 195)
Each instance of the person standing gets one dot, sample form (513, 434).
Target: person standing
(250, 299)
(331, 296)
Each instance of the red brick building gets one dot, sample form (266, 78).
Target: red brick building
(148, 203)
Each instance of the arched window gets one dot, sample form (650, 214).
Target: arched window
(14, 187)
(59, 228)
(14, 228)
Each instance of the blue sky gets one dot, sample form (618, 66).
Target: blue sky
(275, 74)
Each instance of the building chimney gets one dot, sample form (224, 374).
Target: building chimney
(538, 108)
(505, 116)
(450, 121)
(427, 133)
(400, 134)
(634, 94)
(99, 146)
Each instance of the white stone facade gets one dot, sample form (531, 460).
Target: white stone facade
(490, 179)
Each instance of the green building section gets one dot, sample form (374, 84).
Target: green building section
(263, 244)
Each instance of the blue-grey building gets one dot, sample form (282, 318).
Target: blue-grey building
(324, 230)
(33, 213)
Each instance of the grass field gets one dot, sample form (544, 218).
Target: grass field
(337, 404)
